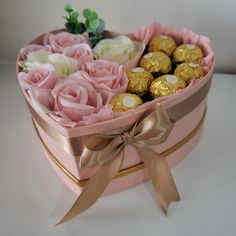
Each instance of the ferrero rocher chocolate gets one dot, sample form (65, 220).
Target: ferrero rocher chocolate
(188, 71)
(166, 85)
(125, 101)
(157, 63)
(162, 43)
(190, 53)
(139, 81)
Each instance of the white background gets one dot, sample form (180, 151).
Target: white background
(21, 20)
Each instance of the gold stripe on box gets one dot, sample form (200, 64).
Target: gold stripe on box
(125, 171)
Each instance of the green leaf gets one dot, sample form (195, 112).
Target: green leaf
(68, 7)
(70, 26)
(87, 22)
(101, 27)
(80, 28)
(74, 15)
(95, 38)
(87, 13)
(93, 15)
(90, 30)
(94, 24)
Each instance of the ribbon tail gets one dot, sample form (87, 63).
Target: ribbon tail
(95, 187)
(160, 175)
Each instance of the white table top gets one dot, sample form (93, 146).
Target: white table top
(32, 197)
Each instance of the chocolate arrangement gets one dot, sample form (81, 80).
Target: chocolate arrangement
(164, 70)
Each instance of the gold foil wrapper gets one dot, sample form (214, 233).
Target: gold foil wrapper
(157, 63)
(162, 43)
(139, 81)
(166, 85)
(190, 53)
(188, 71)
(125, 101)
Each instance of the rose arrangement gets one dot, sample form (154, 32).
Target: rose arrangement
(72, 76)
(70, 80)
(78, 86)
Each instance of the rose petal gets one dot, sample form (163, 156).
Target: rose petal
(40, 99)
(31, 48)
(57, 42)
(41, 77)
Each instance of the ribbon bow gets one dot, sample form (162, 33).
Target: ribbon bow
(107, 152)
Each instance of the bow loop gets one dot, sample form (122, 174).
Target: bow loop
(154, 126)
(94, 155)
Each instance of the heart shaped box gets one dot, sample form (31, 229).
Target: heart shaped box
(181, 141)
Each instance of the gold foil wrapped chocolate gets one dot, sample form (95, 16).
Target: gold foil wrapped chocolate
(139, 81)
(190, 53)
(157, 63)
(166, 85)
(188, 71)
(162, 43)
(125, 101)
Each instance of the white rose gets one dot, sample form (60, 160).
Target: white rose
(120, 49)
(35, 59)
(62, 64)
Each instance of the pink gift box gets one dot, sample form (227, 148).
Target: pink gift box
(180, 142)
(182, 139)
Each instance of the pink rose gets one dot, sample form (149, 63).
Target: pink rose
(76, 99)
(82, 53)
(41, 99)
(42, 77)
(32, 48)
(59, 41)
(107, 77)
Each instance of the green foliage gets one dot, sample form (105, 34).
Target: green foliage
(95, 37)
(68, 7)
(80, 28)
(86, 13)
(101, 26)
(70, 26)
(74, 16)
(92, 24)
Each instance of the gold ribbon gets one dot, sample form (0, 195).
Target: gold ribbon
(107, 152)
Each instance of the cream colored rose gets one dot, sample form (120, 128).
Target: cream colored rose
(62, 64)
(120, 49)
(34, 60)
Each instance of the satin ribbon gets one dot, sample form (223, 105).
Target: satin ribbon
(107, 152)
